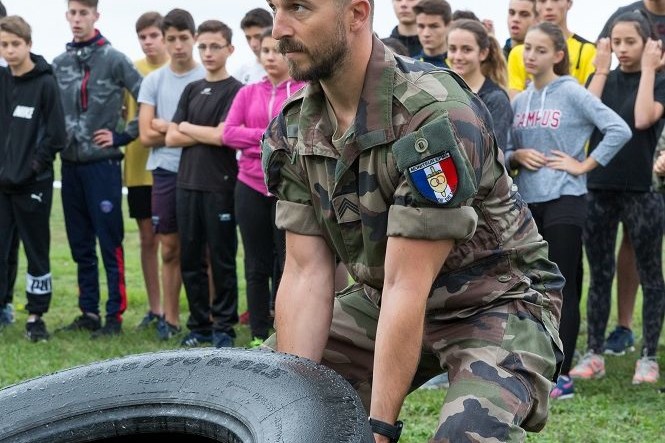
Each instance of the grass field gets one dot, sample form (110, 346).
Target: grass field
(607, 410)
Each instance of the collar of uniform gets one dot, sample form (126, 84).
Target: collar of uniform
(374, 125)
(373, 122)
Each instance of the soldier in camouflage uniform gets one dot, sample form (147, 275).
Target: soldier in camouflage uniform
(411, 193)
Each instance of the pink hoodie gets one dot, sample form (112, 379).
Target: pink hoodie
(253, 107)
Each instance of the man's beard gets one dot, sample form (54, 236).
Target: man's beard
(324, 61)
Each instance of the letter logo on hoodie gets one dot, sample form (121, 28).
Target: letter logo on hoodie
(24, 112)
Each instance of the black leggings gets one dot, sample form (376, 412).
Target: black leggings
(560, 223)
(642, 215)
(263, 246)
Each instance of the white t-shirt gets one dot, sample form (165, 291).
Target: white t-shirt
(250, 72)
(162, 89)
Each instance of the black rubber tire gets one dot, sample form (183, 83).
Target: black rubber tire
(224, 395)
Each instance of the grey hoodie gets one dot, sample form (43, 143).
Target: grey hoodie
(92, 77)
(561, 117)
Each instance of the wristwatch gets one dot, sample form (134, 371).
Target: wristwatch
(387, 430)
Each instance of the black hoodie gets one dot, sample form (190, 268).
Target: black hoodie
(32, 125)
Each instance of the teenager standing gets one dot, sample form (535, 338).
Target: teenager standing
(32, 133)
(553, 120)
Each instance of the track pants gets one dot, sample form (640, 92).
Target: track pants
(25, 213)
(92, 205)
(12, 269)
(206, 221)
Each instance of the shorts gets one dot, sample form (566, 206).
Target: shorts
(139, 202)
(163, 201)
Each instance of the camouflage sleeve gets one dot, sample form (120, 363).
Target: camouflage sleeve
(285, 179)
(441, 163)
(131, 79)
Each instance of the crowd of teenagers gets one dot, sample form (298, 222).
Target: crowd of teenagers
(579, 138)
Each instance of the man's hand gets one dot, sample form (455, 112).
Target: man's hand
(378, 438)
(159, 125)
(103, 138)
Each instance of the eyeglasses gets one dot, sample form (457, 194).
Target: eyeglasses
(213, 47)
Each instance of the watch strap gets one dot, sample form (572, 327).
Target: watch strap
(393, 432)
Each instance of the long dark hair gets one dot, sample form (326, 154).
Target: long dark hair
(640, 20)
(555, 34)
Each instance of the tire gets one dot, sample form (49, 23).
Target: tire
(202, 395)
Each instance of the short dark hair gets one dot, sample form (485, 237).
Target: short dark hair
(148, 19)
(465, 14)
(179, 19)
(14, 24)
(216, 26)
(435, 7)
(3, 10)
(256, 17)
(88, 3)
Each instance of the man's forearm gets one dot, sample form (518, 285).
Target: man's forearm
(397, 352)
(303, 314)
(209, 135)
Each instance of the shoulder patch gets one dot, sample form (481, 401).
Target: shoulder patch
(436, 178)
(436, 168)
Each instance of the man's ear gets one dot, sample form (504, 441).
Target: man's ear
(360, 12)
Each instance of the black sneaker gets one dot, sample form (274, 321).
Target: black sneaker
(87, 322)
(166, 330)
(36, 330)
(149, 319)
(112, 327)
(222, 340)
(195, 339)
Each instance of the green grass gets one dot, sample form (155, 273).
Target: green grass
(607, 410)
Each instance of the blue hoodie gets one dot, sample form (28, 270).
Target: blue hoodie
(561, 116)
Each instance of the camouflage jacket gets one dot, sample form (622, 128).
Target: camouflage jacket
(93, 77)
(421, 163)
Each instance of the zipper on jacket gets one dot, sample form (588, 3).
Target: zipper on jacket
(84, 87)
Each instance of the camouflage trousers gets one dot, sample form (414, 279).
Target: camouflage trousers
(500, 362)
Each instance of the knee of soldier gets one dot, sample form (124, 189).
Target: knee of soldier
(475, 420)
(488, 405)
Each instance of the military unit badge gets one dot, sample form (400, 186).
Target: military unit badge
(435, 178)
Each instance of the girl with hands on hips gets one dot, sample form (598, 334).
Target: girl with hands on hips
(553, 119)
(621, 192)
